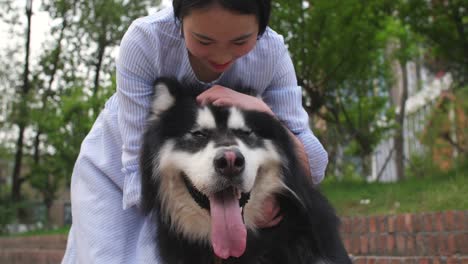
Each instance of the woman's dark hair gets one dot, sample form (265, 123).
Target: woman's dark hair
(260, 8)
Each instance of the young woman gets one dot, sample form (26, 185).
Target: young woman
(216, 44)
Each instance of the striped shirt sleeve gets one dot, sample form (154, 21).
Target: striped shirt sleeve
(135, 74)
(284, 97)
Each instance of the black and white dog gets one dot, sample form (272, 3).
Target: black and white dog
(206, 172)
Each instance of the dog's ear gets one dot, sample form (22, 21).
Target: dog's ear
(165, 90)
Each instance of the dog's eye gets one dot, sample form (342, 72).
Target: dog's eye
(198, 133)
(243, 132)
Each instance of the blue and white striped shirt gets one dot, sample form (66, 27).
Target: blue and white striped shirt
(107, 226)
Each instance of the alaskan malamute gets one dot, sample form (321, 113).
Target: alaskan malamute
(206, 172)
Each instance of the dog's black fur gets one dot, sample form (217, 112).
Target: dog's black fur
(308, 233)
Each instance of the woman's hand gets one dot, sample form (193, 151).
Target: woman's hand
(271, 213)
(222, 96)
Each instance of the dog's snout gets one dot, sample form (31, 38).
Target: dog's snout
(229, 162)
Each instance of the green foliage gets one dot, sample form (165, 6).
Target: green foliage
(448, 124)
(63, 101)
(444, 25)
(64, 124)
(422, 166)
(7, 216)
(339, 52)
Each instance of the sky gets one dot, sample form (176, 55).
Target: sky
(39, 27)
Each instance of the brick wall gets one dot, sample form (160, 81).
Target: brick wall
(431, 238)
(35, 249)
(409, 238)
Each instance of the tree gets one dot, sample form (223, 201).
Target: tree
(44, 177)
(444, 25)
(104, 22)
(21, 119)
(338, 49)
(58, 100)
(404, 46)
(64, 108)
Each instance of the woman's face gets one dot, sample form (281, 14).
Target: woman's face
(216, 37)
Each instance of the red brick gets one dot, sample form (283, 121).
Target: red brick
(421, 246)
(372, 224)
(462, 243)
(427, 222)
(382, 261)
(373, 244)
(464, 260)
(410, 245)
(360, 261)
(345, 227)
(400, 223)
(417, 223)
(442, 245)
(423, 261)
(432, 245)
(451, 244)
(408, 260)
(381, 226)
(354, 245)
(364, 244)
(452, 260)
(382, 244)
(450, 221)
(359, 225)
(390, 245)
(460, 220)
(408, 223)
(391, 224)
(400, 244)
(439, 223)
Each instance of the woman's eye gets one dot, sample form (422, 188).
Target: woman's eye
(204, 43)
(240, 43)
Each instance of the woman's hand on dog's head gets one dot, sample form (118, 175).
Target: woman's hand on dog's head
(222, 96)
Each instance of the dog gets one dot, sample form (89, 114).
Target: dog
(206, 172)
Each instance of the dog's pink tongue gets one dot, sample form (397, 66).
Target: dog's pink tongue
(228, 232)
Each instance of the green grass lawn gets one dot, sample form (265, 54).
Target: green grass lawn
(429, 194)
(58, 231)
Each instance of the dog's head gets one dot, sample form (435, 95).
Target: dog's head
(209, 169)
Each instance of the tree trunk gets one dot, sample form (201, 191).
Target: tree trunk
(101, 50)
(16, 180)
(399, 139)
(16, 176)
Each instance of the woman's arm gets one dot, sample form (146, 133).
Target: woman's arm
(136, 73)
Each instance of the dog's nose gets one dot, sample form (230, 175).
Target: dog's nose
(229, 162)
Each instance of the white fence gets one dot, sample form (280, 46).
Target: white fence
(419, 106)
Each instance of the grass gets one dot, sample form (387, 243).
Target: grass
(427, 194)
(43, 232)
